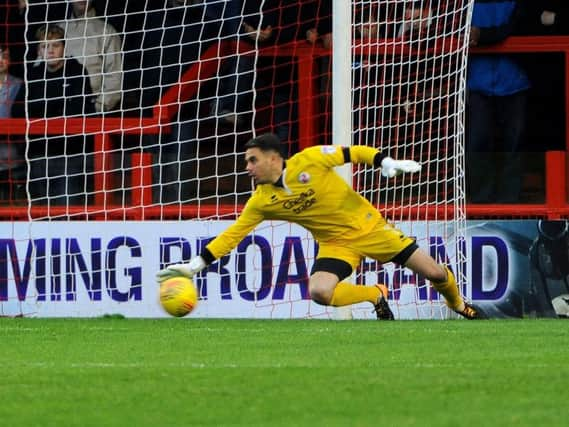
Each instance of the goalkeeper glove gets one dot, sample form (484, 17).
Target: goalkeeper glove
(188, 270)
(391, 167)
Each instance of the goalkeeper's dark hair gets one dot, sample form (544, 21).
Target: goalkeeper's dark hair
(266, 142)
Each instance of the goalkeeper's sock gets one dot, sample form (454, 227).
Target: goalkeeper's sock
(347, 293)
(449, 290)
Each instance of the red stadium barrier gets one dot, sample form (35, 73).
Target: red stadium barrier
(556, 203)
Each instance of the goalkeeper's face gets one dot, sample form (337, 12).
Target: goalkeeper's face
(265, 167)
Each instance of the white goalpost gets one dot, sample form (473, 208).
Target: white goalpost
(134, 115)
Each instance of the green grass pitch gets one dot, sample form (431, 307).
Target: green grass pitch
(193, 372)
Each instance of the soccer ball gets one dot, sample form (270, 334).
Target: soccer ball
(561, 305)
(178, 296)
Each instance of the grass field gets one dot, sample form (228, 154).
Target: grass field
(131, 372)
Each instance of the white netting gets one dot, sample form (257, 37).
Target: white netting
(142, 123)
(409, 61)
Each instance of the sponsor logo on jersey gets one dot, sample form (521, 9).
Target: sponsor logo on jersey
(303, 177)
(302, 202)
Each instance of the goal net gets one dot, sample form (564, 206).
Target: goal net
(126, 129)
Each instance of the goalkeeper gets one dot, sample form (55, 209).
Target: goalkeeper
(306, 190)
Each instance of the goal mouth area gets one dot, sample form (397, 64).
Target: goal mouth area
(137, 191)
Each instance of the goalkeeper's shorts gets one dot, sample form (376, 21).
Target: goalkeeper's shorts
(384, 243)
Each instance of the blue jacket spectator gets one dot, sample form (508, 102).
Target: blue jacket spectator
(495, 75)
(497, 100)
(9, 84)
(11, 153)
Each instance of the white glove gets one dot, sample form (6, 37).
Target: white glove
(188, 270)
(391, 167)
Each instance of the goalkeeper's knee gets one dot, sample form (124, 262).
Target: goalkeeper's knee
(321, 294)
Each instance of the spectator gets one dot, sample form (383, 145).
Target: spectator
(56, 87)
(321, 32)
(547, 17)
(238, 21)
(175, 37)
(129, 19)
(497, 91)
(416, 22)
(172, 42)
(546, 71)
(378, 78)
(321, 28)
(276, 24)
(97, 46)
(14, 31)
(554, 17)
(370, 75)
(11, 156)
(9, 84)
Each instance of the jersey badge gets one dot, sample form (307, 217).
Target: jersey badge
(303, 177)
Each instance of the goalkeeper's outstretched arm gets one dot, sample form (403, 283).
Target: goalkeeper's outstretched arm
(250, 217)
(389, 166)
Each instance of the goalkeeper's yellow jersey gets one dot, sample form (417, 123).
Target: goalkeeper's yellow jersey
(313, 195)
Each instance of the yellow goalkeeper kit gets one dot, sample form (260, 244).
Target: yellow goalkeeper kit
(345, 224)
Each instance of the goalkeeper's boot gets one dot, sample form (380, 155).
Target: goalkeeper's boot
(471, 312)
(381, 307)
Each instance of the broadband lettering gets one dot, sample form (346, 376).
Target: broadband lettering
(59, 269)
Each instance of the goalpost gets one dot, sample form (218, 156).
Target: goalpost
(134, 147)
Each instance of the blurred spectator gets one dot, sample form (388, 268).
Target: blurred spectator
(392, 20)
(13, 31)
(319, 19)
(555, 16)
(370, 76)
(416, 21)
(97, 46)
(282, 23)
(378, 78)
(11, 153)
(172, 42)
(129, 19)
(546, 70)
(174, 37)
(9, 84)
(319, 31)
(407, 20)
(546, 17)
(234, 91)
(56, 87)
(497, 92)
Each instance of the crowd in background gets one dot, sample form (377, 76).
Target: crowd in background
(103, 58)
